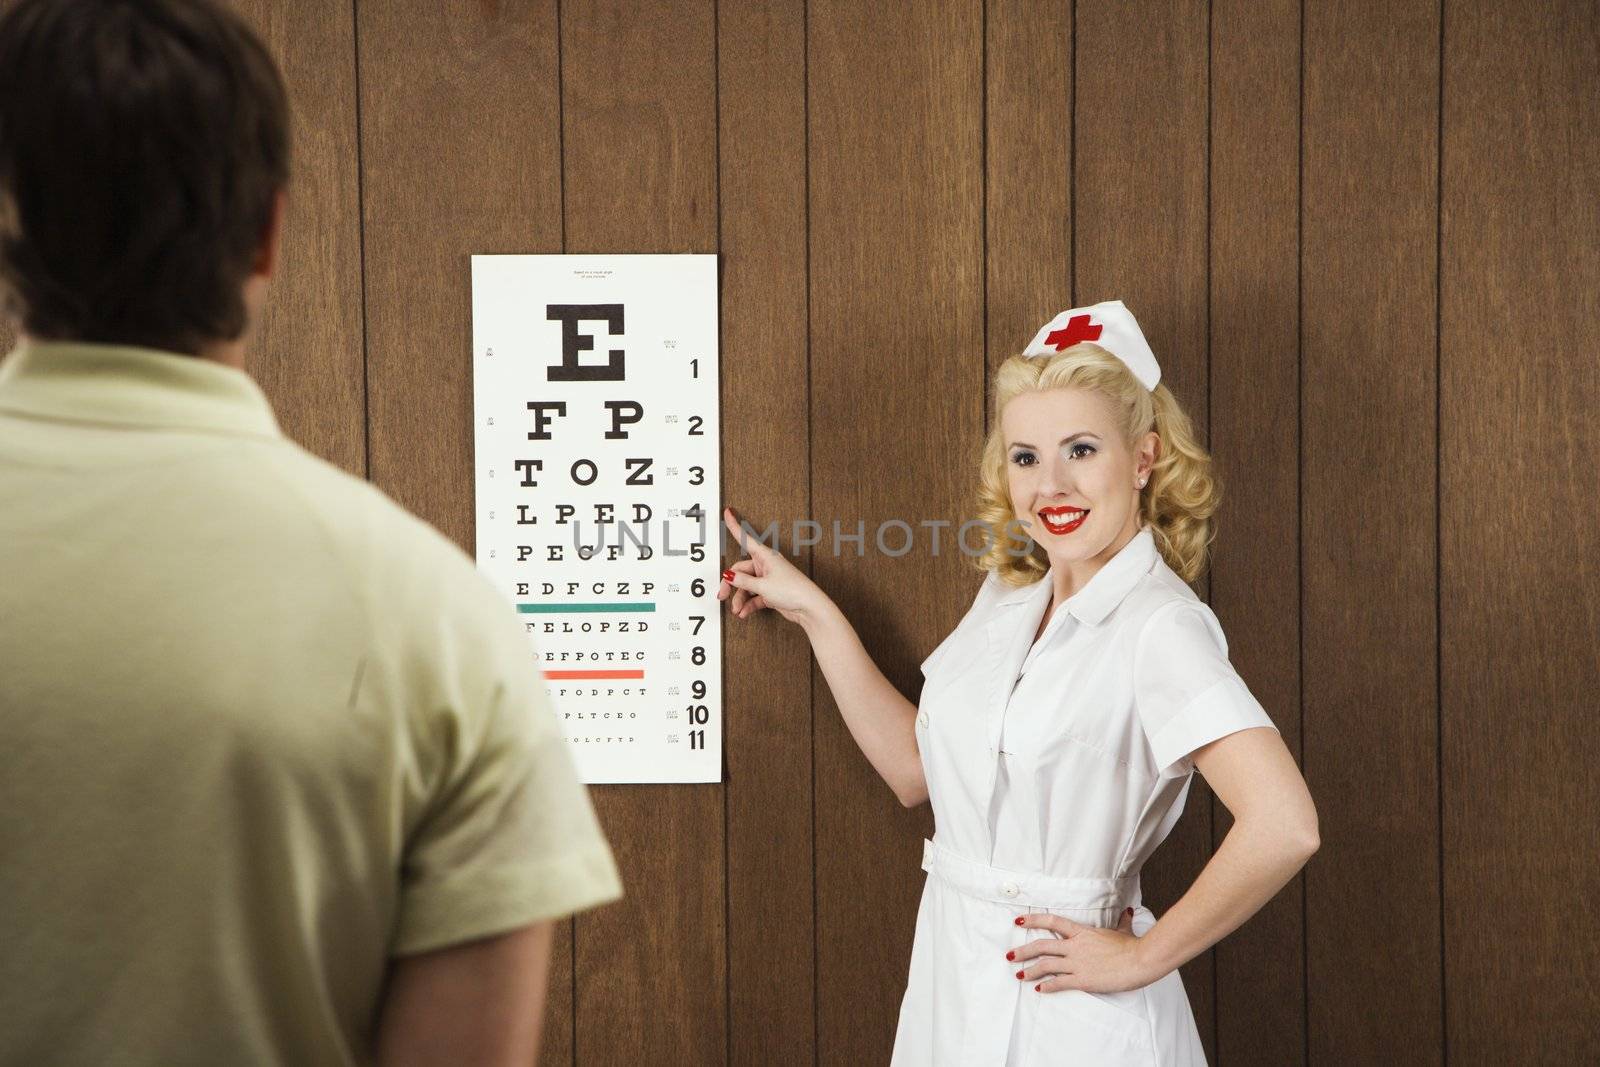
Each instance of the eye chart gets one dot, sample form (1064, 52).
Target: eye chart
(596, 429)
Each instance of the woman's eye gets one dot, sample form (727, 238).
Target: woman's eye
(1022, 459)
(1088, 450)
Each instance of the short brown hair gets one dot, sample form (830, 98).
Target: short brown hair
(142, 143)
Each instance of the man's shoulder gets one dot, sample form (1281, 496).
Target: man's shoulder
(422, 595)
(368, 527)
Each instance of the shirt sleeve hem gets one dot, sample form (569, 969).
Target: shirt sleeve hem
(497, 901)
(1226, 707)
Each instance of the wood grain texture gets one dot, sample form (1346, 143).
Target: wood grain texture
(1368, 262)
(461, 154)
(1028, 168)
(1255, 413)
(639, 88)
(1520, 555)
(766, 478)
(896, 97)
(640, 125)
(307, 351)
(1140, 236)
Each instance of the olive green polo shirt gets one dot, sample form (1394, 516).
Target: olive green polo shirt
(260, 730)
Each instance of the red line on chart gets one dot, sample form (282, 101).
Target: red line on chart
(594, 674)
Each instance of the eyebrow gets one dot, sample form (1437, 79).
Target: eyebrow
(1064, 440)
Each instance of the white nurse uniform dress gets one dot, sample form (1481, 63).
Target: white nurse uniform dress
(1054, 769)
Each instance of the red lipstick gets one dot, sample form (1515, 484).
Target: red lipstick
(1063, 520)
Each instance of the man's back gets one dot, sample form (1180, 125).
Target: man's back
(259, 730)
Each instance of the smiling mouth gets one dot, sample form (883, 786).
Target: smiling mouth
(1063, 520)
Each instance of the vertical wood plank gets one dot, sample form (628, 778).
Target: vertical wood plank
(1140, 236)
(1255, 412)
(460, 155)
(639, 86)
(1369, 209)
(307, 352)
(1519, 549)
(1028, 168)
(766, 477)
(896, 99)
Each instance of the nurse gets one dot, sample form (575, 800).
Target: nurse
(1061, 722)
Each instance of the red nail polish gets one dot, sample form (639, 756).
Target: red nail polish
(1019, 920)
(1011, 955)
(1039, 988)
(1019, 974)
(727, 576)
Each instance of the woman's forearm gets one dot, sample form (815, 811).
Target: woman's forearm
(1255, 860)
(880, 718)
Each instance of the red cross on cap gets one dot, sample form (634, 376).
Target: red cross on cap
(1078, 328)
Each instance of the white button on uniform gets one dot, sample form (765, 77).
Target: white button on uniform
(1010, 889)
(922, 718)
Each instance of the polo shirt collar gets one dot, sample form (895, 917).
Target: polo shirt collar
(1109, 587)
(122, 385)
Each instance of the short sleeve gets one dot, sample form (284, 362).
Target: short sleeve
(1186, 690)
(508, 836)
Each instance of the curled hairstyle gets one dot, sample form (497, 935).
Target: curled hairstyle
(1177, 503)
(142, 144)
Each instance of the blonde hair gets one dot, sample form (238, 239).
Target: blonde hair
(1177, 503)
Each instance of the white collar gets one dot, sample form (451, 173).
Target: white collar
(1110, 585)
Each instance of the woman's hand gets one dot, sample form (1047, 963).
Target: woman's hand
(767, 580)
(1082, 957)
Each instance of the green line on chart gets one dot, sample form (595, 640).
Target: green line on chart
(565, 609)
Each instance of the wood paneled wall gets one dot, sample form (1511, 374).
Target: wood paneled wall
(1362, 238)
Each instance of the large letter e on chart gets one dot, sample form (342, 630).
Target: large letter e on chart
(573, 342)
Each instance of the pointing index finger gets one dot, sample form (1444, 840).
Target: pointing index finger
(747, 544)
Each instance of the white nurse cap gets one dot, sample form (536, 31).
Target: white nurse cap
(1108, 324)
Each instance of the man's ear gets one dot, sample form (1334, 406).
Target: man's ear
(266, 261)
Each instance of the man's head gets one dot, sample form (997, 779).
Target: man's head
(144, 145)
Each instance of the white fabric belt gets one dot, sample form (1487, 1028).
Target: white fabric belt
(1030, 889)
